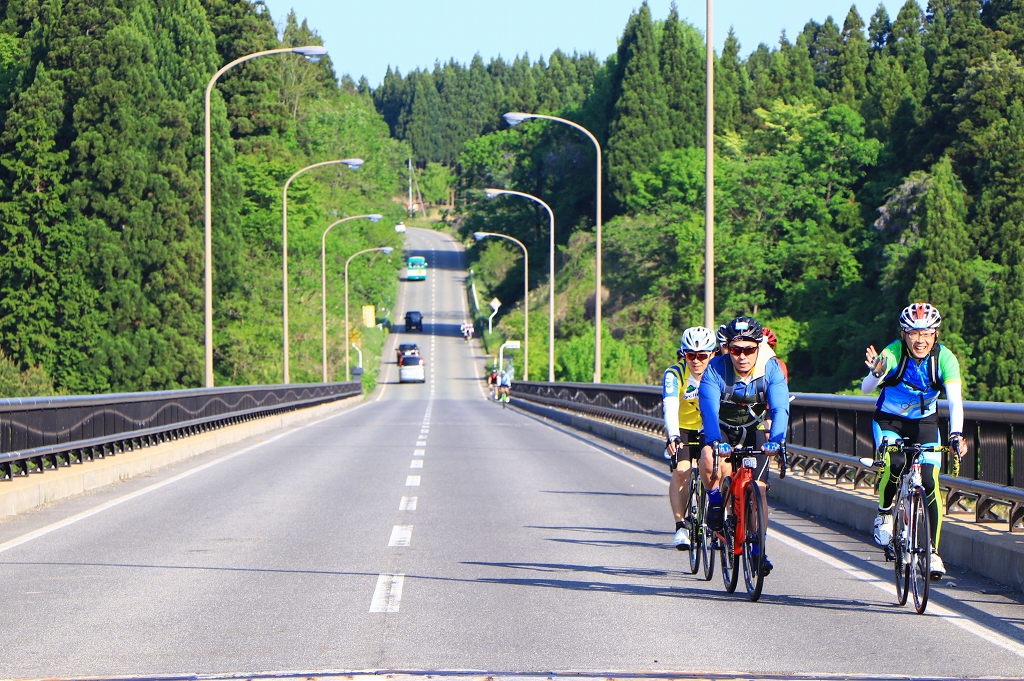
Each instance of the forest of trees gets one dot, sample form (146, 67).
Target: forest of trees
(101, 194)
(860, 164)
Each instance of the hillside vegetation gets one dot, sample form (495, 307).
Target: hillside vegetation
(101, 194)
(859, 166)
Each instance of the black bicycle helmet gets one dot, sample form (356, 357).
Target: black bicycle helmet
(744, 328)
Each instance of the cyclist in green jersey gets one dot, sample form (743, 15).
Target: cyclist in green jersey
(912, 371)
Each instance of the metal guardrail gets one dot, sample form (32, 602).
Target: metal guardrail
(828, 434)
(45, 433)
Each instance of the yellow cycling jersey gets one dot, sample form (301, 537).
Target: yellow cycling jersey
(679, 383)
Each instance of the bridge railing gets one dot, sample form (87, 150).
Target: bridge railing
(45, 433)
(828, 434)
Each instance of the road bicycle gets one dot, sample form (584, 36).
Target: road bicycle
(503, 395)
(702, 548)
(911, 546)
(745, 527)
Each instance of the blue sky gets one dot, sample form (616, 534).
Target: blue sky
(365, 36)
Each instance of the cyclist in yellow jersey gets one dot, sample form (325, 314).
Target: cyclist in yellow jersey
(682, 418)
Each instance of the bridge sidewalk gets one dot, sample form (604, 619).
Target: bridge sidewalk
(24, 493)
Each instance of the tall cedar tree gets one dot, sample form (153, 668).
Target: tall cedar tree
(945, 276)
(851, 86)
(682, 70)
(640, 127)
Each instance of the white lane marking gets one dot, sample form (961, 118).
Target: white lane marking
(71, 520)
(971, 626)
(408, 504)
(388, 593)
(424, 430)
(968, 625)
(421, 443)
(419, 452)
(401, 535)
(416, 463)
(412, 481)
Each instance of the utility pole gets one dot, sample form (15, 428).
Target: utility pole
(709, 178)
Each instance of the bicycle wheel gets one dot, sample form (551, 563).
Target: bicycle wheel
(707, 538)
(730, 561)
(921, 551)
(899, 550)
(755, 523)
(692, 518)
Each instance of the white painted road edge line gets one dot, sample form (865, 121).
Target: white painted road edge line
(71, 520)
(968, 625)
(388, 593)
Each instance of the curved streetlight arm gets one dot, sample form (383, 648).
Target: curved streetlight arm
(323, 285)
(351, 163)
(384, 249)
(310, 52)
(526, 295)
(515, 118)
(491, 193)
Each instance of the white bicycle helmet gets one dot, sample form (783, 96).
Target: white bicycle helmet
(697, 339)
(920, 316)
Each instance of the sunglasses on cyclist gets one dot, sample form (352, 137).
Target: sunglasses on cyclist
(697, 356)
(746, 350)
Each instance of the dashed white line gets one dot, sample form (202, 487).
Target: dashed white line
(407, 504)
(401, 535)
(419, 452)
(412, 481)
(421, 443)
(388, 593)
(416, 463)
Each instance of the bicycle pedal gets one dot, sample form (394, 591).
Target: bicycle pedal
(890, 555)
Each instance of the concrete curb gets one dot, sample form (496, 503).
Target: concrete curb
(22, 494)
(982, 549)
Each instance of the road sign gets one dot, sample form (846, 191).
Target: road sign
(495, 304)
(512, 345)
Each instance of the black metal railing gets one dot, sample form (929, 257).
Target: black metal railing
(828, 434)
(46, 433)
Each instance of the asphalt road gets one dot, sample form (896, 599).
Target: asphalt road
(430, 529)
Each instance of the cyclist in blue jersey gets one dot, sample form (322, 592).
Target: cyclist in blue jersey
(737, 393)
(912, 371)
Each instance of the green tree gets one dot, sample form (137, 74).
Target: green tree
(640, 128)
(682, 71)
(851, 86)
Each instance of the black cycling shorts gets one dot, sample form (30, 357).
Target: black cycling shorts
(686, 436)
(915, 431)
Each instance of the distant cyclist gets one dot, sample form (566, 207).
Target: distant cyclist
(720, 337)
(736, 394)
(492, 384)
(912, 371)
(504, 384)
(679, 404)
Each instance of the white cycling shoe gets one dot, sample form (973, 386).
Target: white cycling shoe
(938, 568)
(883, 529)
(682, 539)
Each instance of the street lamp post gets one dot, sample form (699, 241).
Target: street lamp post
(311, 52)
(386, 250)
(526, 295)
(323, 284)
(353, 164)
(491, 193)
(709, 178)
(515, 118)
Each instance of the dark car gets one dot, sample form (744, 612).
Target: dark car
(407, 349)
(413, 321)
